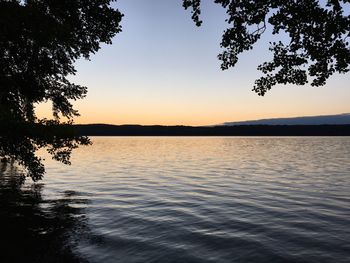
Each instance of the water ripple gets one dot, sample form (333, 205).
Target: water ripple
(169, 199)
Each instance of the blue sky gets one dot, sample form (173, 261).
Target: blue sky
(162, 69)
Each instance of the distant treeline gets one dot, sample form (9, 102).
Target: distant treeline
(242, 130)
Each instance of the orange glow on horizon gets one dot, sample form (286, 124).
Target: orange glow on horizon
(173, 114)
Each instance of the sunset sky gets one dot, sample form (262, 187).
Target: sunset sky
(162, 69)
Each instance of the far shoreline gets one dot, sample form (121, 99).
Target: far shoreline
(238, 130)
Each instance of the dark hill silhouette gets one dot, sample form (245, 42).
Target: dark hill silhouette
(305, 120)
(241, 130)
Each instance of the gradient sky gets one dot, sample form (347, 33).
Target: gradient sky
(162, 69)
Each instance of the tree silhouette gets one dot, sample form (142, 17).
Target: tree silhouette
(317, 31)
(39, 42)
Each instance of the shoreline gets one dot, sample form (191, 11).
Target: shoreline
(239, 130)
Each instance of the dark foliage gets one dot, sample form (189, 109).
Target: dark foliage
(39, 42)
(317, 30)
(20, 140)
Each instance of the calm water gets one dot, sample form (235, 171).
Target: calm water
(197, 199)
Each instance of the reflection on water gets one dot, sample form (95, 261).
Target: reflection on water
(162, 199)
(34, 229)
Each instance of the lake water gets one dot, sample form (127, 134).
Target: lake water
(195, 199)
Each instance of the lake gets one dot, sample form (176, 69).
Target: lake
(185, 199)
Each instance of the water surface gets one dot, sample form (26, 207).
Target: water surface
(206, 199)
